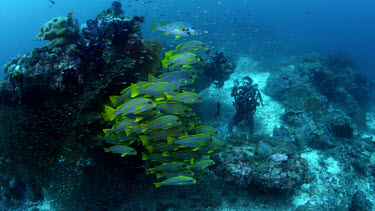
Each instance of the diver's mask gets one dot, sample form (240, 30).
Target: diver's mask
(246, 83)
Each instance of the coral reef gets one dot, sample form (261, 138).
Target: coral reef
(61, 27)
(264, 162)
(311, 84)
(50, 100)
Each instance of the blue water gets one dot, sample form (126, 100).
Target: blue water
(321, 26)
(289, 26)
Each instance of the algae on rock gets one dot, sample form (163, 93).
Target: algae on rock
(59, 27)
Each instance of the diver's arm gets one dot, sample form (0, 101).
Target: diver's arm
(235, 88)
(260, 97)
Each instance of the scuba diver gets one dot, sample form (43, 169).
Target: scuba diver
(246, 99)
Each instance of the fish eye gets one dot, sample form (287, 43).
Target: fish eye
(149, 102)
(178, 120)
(154, 108)
(196, 56)
(191, 77)
(175, 90)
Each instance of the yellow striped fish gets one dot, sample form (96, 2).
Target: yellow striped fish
(158, 89)
(186, 97)
(174, 166)
(120, 126)
(180, 180)
(163, 134)
(174, 108)
(163, 122)
(134, 106)
(206, 130)
(185, 59)
(125, 94)
(194, 141)
(120, 149)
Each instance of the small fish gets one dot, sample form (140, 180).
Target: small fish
(180, 180)
(120, 149)
(186, 97)
(185, 59)
(137, 105)
(163, 122)
(70, 14)
(199, 165)
(186, 173)
(179, 29)
(174, 166)
(52, 1)
(194, 141)
(158, 90)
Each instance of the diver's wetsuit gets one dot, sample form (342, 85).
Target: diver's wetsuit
(245, 101)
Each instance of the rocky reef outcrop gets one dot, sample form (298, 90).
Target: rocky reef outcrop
(51, 101)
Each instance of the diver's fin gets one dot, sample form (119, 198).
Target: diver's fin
(153, 25)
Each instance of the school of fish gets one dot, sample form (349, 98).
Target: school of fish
(157, 114)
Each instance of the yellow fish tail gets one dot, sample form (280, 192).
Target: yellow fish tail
(106, 132)
(114, 100)
(135, 90)
(170, 140)
(151, 78)
(165, 62)
(144, 156)
(169, 54)
(144, 127)
(111, 112)
(157, 184)
(144, 140)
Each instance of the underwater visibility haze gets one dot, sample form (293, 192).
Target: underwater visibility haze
(187, 105)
